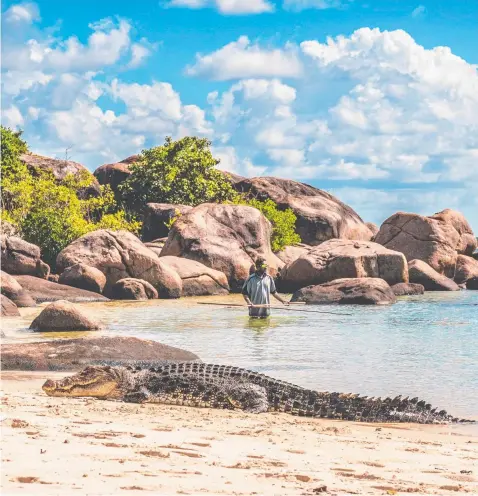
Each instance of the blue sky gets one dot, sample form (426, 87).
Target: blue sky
(374, 101)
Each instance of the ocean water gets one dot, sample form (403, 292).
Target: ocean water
(425, 346)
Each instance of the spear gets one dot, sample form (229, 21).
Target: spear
(270, 306)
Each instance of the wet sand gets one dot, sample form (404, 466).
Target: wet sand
(63, 446)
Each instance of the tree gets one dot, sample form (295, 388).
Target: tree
(12, 147)
(181, 172)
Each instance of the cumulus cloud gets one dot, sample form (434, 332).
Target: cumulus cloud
(243, 59)
(227, 7)
(22, 13)
(108, 43)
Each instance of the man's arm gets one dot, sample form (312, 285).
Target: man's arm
(275, 294)
(245, 294)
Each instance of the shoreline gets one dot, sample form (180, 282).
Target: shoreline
(64, 445)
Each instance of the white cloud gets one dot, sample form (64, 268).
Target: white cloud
(105, 46)
(299, 5)
(12, 117)
(227, 7)
(419, 11)
(26, 12)
(243, 59)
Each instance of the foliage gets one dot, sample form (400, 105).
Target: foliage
(52, 213)
(181, 172)
(173, 219)
(283, 222)
(12, 147)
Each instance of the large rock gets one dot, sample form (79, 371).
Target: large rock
(7, 229)
(46, 291)
(84, 277)
(373, 228)
(290, 253)
(472, 283)
(342, 258)
(407, 289)
(120, 254)
(12, 289)
(114, 174)
(9, 309)
(76, 354)
(63, 315)
(156, 245)
(466, 268)
(228, 238)
(156, 217)
(60, 169)
(133, 289)
(198, 280)
(421, 273)
(436, 240)
(358, 291)
(320, 216)
(21, 257)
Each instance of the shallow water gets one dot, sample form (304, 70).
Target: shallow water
(424, 346)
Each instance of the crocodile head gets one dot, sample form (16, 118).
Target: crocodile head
(92, 381)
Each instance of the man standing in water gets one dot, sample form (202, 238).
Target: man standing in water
(257, 290)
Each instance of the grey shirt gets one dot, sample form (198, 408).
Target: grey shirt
(259, 288)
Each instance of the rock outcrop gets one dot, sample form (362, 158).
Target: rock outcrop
(60, 169)
(290, 253)
(9, 309)
(21, 257)
(119, 255)
(436, 240)
(76, 354)
(198, 280)
(133, 289)
(466, 268)
(84, 277)
(373, 228)
(7, 229)
(46, 291)
(420, 272)
(320, 216)
(156, 218)
(358, 291)
(228, 238)
(114, 174)
(342, 258)
(63, 315)
(12, 289)
(407, 289)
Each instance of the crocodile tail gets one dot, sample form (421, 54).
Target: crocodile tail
(363, 409)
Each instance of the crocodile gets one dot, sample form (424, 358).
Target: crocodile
(199, 384)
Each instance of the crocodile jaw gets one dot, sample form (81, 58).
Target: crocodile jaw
(93, 381)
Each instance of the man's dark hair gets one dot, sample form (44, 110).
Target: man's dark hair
(261, 261)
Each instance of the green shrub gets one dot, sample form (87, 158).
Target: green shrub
(283, 222)
(181, 172)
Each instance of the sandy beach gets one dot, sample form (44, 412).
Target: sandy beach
(60, 446)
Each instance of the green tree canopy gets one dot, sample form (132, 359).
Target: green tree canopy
(12, 147)
(181, 172)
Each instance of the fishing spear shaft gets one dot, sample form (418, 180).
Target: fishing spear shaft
(269, 306)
